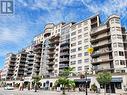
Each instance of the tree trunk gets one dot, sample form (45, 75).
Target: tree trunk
(35, 87)
(104, 89)
(63, 90)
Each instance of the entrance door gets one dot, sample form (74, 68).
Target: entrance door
(110, 88)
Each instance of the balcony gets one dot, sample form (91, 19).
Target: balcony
(10, 72)
(51, 53)
(29, 67)
(50, 58)
(55, 37)
(10, 68)
(99, 60)
(11, 64)
(63, 66)
(100, 37)
(54, 42)
(64, 53)
(99, 45)
(20, 64)
(21, 68)
(100, 29)
(64, 48)
(100, 52)
(64, 59)
(36, 65)
(38, 51)
(50, 68)
(65, 42)
(50, 63)
(51, 48)
(99, 69)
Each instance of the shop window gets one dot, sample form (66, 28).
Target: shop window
(118, 85)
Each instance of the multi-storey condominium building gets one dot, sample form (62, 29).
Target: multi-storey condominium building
(20, 65)
(65, 45)
(9, 67)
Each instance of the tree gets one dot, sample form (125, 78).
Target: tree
(104, 78)
(64, 81)
(36, 82)
(94, 87)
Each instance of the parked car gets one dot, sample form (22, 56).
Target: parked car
(8, 87)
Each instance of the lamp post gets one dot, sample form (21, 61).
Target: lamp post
(89, 50)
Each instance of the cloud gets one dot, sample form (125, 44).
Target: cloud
(107, 7)
(12, 35)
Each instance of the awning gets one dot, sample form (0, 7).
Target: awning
(82, 80)
(119, 79)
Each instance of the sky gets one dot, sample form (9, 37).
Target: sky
(30, 16)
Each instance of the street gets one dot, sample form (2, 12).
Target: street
(41, 92)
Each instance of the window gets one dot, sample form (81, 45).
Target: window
(86, 40)
(85, 23)
(115, 53)
(86, 67)
(117, 21)
(73, 50)
(118, 28)
(80, 48)
(80, 30)
(86, 28)
(114, 36)
(73, 62)
(79, 42)
(113, 28)
(79, 25)
(73, 44)
(80, 54)
(86, 60)
(73, 56)
(73, 39)
(86, 53)
(119, 36)
(86, 47)
(79, 36)
(114, 45)
(122, 62)
(117, 62)
(112, 20)
(79, 61)
(120, 45)
(86, 35)
(121, 53)
(79, 68)
(73, 33)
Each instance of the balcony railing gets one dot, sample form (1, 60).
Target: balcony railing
(50, 68)
(52, 52)
(63, 48)
(51, 63)
(100, 37)
(63, 65)
(94, 61)
(64, 53)
(64, 59)
(98, 29)
(99, 52)
(101, 44)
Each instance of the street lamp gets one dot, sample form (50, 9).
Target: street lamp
(89, 50)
